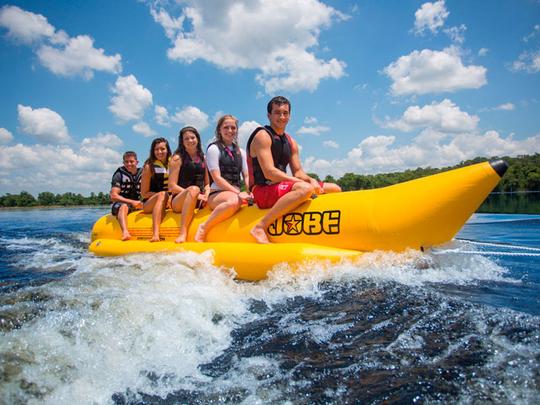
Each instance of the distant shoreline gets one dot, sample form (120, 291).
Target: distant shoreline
(44, 207)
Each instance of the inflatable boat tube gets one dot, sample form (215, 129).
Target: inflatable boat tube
(416, 214)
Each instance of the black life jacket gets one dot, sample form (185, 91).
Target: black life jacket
(281, 154)
(191, 173)
(160, 179)
(130, 184)
(230, 163)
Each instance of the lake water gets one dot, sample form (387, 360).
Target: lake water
(458, 324)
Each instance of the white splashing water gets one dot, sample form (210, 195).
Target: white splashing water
(116, 321)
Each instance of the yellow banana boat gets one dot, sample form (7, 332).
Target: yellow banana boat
(415, 214)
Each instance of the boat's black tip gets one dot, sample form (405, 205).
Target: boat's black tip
(500, 166)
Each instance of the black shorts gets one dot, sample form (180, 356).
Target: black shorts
(116, 206)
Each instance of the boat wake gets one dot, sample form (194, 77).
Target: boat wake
(174, 328)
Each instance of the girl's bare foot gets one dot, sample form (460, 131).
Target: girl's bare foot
(259, 234)
(155, 239)
(126, 236)
(200, 236)
(181, 238)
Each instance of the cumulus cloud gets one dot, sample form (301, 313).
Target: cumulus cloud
(42, 123)
(313, 130)
(144, 129)
(311, 127)
(331, 144)
(528, 61)
(505, 107)
(245, 130)
(430, 16)
(162, 116)
(378, 154)
(130, 99)
(277, 39)
(483, 52)
(5, 136)
(58, 52)
(428, 71)
(444, 116)
(83, 169)
(78, 57)
(192, 116)
(533, 34)
(456, 34)
(24, 26)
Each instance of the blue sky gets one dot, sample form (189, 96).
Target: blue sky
(375, 86)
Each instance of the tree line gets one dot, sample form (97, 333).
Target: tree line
(48, 199)
(523, 175)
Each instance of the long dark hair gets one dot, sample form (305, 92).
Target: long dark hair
(181, 150)
(152, 157)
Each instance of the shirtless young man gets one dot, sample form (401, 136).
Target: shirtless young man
(269, 151)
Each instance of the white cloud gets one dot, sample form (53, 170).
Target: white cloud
(279, 39)
(85, 169)
(527, 62)
(44, 124)
(192, 116)
(5, 136)
(25, 26)
(430, 16)
(483, 52)
(444, 116)
(379, 154)
(505, 107)
(130, 100)
(144, 129)
(314, 130)
(78, 57)
(245, 130)
(534, 33)
(456, 34)
(162, 116)
(103, 140)
(58, 52)
(429, 71)
(311, 127)
(331, 144)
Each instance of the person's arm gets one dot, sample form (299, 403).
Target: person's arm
(117, 197)
(261, 148)
(145, 182)
(245, 172)
(212, 159)
(297, 171)
(174, 173)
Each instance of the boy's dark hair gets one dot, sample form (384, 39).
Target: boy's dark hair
(278, 100)
(129, 153)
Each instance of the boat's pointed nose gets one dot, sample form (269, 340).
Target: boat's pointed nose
(500, 166)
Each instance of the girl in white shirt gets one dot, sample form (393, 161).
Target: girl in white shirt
(226, 161)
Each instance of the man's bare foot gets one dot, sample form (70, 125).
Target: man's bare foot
(259, 234)
(200, 236)
(155, 239)
(126, 236)
(181, 238)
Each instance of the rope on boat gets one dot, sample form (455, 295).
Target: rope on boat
(500, 245)
(529, 251)
(480, 252)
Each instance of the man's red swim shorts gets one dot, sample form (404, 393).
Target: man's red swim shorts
(266, 196)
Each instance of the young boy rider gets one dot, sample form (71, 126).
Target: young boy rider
(126, 191)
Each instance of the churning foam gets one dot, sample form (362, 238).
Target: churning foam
(145, 323)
